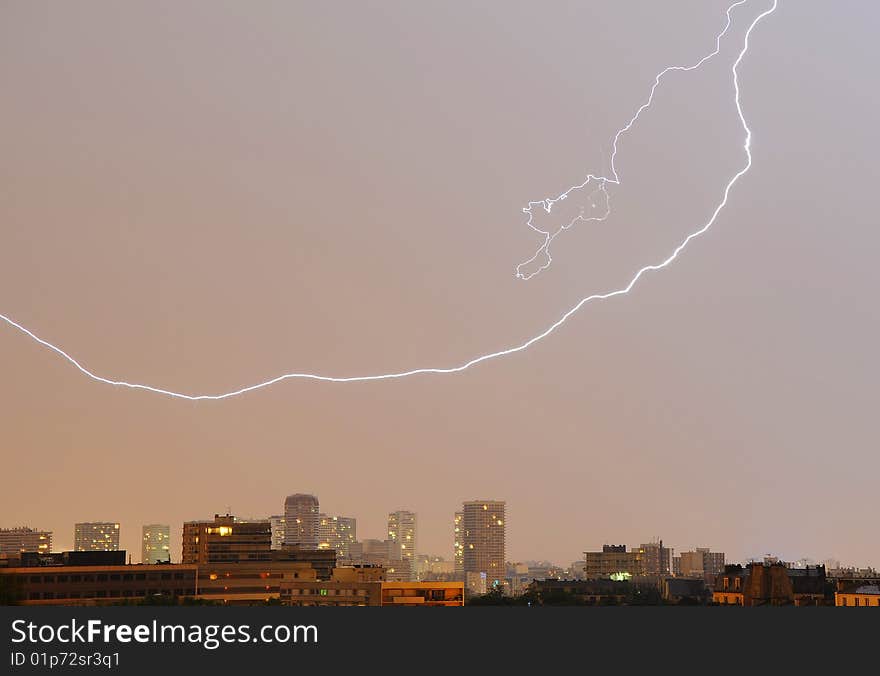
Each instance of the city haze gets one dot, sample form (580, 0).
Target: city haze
(201, 196)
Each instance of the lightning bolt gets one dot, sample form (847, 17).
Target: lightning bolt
(601, 181)
(604, 181)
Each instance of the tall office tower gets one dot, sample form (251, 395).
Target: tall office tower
(279, 525)
(156, 543)
(337, 533)
(226, 540)
(458, 542)
(302, 521)
(96, 536)
(18, 540)
(483, 539)
(402, 532)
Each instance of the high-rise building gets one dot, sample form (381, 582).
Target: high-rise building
(458, 542)
(483, 539)
(96, 536)
(301, 521)
(701, 563)
(338, 533)
(402, 532)
(226, 539)
(17, 540)
(655, 560)
(279, 526)
(156, 543)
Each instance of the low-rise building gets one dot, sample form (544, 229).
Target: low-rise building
(862, 596)
(771, 583)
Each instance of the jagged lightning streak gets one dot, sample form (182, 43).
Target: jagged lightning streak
(492, 355)
(603, 181)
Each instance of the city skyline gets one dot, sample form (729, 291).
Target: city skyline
(340, 191)
(677, 549)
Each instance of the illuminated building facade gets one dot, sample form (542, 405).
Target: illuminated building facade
(338, 533)
(863, 596)
(655, 560)
(155, 543)
(483, 539)
(96, 536)
(17, 540)
(301, 520)
(279, 527)
(613, 561)
(402, 532)
(458, 542)
(225, 540)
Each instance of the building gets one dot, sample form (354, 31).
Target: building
(249, 583)
(483, 530)
(96, 536)
(367, 586)
(226, 540)
(102, 578)
(654, 559)
(385, 554)
(22, 539)
(156, 543)
(771, 584)
(346, 586)
(865, 595)
(279, 527)
(594, 592)
(402, 532)
(302, 518)
(92, 578)
(458, 542)
(700, 563)
(422, 594)
(684, 591)
(612, 562)
(338, 533)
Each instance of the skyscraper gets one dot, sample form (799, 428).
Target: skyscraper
(402, 532)
(17, 540)
(156, 543)
(279, 527)
(96, 536)
(301, 521)
(483, 527)
(338, 533)
(458, 541)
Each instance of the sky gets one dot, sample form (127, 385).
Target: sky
(202, 195)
